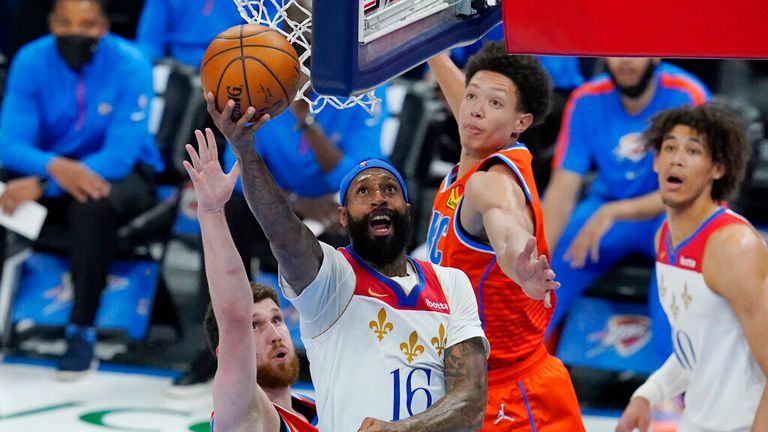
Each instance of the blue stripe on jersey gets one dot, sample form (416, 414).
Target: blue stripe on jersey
(409, 300)
(527, 405)
(463, 237)
(481, 310)
(673, 251)
(514, 169)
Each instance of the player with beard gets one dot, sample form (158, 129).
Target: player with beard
(393, 343)
(487, 221)
(244, 326)
(601, 130)
(712, 269)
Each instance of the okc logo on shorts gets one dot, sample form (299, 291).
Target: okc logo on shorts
(436, 305)
(627, 334)
(630, 147)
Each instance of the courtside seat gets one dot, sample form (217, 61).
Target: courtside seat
(178, 109)
(628, 281)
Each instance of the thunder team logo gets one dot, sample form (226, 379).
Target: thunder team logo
(630, 147)
(454, 196)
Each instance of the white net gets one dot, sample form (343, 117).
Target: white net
(293, 19)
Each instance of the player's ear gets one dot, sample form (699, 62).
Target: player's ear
(342, 216)
(718, 171)
(523, 123)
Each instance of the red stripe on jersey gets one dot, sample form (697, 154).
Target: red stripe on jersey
(689, 254)
(427, 295)
(682, 83)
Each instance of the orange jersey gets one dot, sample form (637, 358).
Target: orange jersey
(513, 323)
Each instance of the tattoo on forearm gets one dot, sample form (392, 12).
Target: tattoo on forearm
(463, 406)
(292, 242)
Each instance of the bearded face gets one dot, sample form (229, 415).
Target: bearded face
(280, 370)
(380, 236)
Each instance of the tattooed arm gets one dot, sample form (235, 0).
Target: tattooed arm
(463, 406)
(296, 249)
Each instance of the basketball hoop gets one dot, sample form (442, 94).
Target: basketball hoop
(294, 21)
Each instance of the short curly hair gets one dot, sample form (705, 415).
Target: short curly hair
(534, 86)
(211, 327)
(724, 139)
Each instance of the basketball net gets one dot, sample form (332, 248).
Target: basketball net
(294, 21)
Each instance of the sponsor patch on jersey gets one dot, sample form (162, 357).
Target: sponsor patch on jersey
(454, 196)
(436, 304)
(688, 262)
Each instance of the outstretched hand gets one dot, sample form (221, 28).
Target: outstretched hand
(239, 134)
(212, 187)
(534, 275)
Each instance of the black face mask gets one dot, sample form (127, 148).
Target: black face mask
(637, 89)
(77, 50)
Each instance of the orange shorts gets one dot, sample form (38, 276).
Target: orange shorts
(536, 396)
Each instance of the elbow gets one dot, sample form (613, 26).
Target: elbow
(476, 413)
(475, 402)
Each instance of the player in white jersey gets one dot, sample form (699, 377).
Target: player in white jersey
(712, 270)
(387, 337)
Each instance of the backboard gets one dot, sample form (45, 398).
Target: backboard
(360, 44)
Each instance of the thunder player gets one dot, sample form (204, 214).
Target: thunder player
(487, 221)
(712, 271)
(388, 338)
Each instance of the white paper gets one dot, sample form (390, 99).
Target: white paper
(26, 220)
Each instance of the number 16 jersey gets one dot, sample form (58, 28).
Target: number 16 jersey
(376, 344)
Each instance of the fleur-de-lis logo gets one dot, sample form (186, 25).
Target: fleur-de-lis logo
(662, 287)
(687, 299)
(412, 348)
(381, 327)
(675, 309)
(439, 341)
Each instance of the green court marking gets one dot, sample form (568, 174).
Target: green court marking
(98, 417)
(40, 410)
(201, 427)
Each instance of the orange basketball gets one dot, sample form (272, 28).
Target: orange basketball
(252, 65)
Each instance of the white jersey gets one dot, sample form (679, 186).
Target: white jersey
(725, 382)
(375, 344)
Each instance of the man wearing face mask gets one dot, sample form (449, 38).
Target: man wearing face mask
(76, 139)
(601, 130)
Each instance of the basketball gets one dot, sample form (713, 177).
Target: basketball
(253, 65)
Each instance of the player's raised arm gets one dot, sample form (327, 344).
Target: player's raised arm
(295, 247)
(450, 78)
(495, 206)
(736, 267)
(239, 403)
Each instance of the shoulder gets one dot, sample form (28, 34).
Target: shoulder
(597, 87)
(128, 53)
(35, 52)
(733, 252)
(454, 282)
(734, 240)
(493, 184)
(673, 78)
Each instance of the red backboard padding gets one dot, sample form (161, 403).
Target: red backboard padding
(652, 28)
